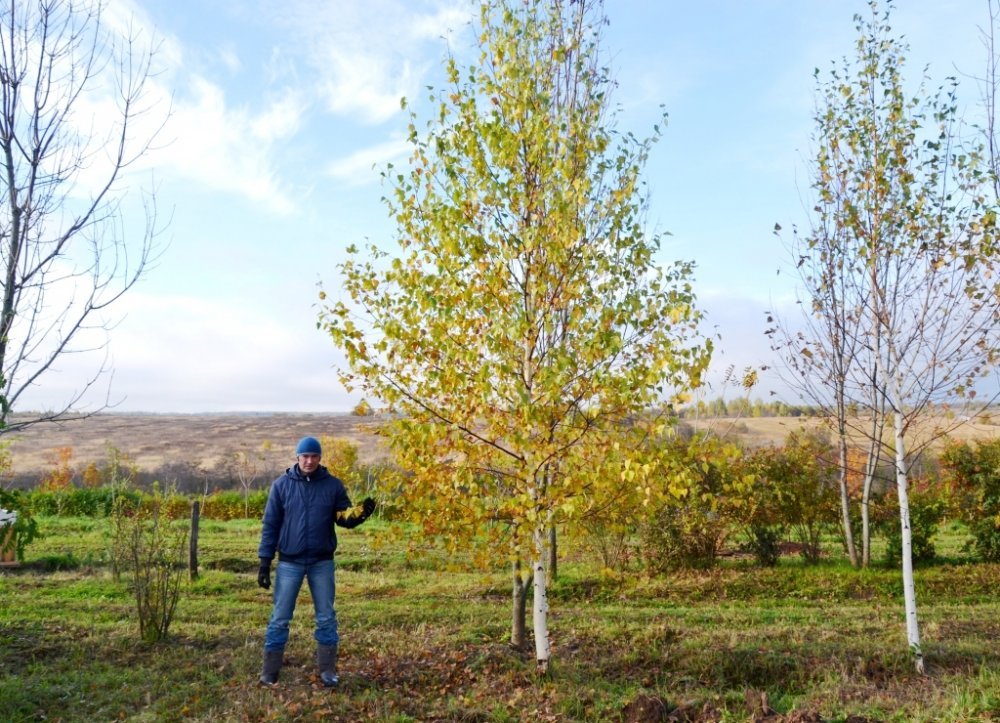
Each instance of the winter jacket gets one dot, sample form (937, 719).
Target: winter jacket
(300, 515)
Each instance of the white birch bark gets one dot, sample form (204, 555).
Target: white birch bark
(845, 499)
(540, 604)
(909, 589)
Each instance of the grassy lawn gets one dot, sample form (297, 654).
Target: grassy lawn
(426, 640)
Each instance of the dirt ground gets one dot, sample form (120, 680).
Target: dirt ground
(154, 440)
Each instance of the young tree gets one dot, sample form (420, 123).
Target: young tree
(914, 239)
(526, 324)
(990, 87)
(821, 351)
(73, 107)
(248, 463)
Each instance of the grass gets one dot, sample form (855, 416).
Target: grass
(423, 644)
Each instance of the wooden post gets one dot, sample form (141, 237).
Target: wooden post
(193, 540)
(8, 547)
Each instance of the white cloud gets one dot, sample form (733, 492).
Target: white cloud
(364, 165)
(184, 354)
(363, 52)
(230, 59)
(230, 148)
(197, 134)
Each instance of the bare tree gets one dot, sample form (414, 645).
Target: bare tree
(76, 111)
(990, 85)
(248, 464)
(819, 355)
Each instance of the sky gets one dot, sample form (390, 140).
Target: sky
(282, 114)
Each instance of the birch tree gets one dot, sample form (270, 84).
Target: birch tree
(913, 236)
(75, 114)
(524, 328)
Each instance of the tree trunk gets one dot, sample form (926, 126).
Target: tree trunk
(909, 590)
(552, 568)
(193, 540)
(540, 607)
(871, 467)
(518, 613)
(845, 502)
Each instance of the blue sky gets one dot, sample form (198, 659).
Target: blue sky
(281, 109)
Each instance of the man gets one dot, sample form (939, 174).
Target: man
(302, 507)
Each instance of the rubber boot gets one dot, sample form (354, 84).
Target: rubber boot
(326, 660)
(272, 665)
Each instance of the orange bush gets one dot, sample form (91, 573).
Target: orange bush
(61, 477)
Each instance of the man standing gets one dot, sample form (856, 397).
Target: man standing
(302, 507)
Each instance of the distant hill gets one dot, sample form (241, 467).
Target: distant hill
(154, 440)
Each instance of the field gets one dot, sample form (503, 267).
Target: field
(425, 639)
(155, 440)
(208, 439)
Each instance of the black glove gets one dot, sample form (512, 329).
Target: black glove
(367, 507)
(264, 574)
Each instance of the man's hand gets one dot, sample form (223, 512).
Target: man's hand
(264, 574)
(368, 506)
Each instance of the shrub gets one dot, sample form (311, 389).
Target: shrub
(690, 531)
(972, 474)
(155, 564)
(683, 537)
(232, 505)
(75, 502)
(763, 515)
(926, 512)
(764, 543)
(792, 487)
(24, 529)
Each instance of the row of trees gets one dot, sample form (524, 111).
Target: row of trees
(744, 407)
(898, 269)
(525, 327)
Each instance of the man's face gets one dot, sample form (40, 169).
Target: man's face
(308, 462)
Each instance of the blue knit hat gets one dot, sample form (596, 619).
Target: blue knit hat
(308, 445)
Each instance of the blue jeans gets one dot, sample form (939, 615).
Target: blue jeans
(287, 583)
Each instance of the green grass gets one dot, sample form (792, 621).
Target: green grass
(428, 642)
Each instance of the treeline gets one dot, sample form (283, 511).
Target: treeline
(742, 407)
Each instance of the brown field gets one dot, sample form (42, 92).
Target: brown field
(154, 440)
(761, 431)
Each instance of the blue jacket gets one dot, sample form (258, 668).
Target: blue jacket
(300, 515)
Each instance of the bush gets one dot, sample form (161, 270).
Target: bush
(155, 564)
(232, 505)
(972, 473)
(683, 537)
(75, 502)
(926, 512)
(764, 542)
(25, 528)
(794, 487)
(690, 531)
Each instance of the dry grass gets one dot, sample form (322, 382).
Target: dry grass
(153, 440)
(204, 439)
(760, 431)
